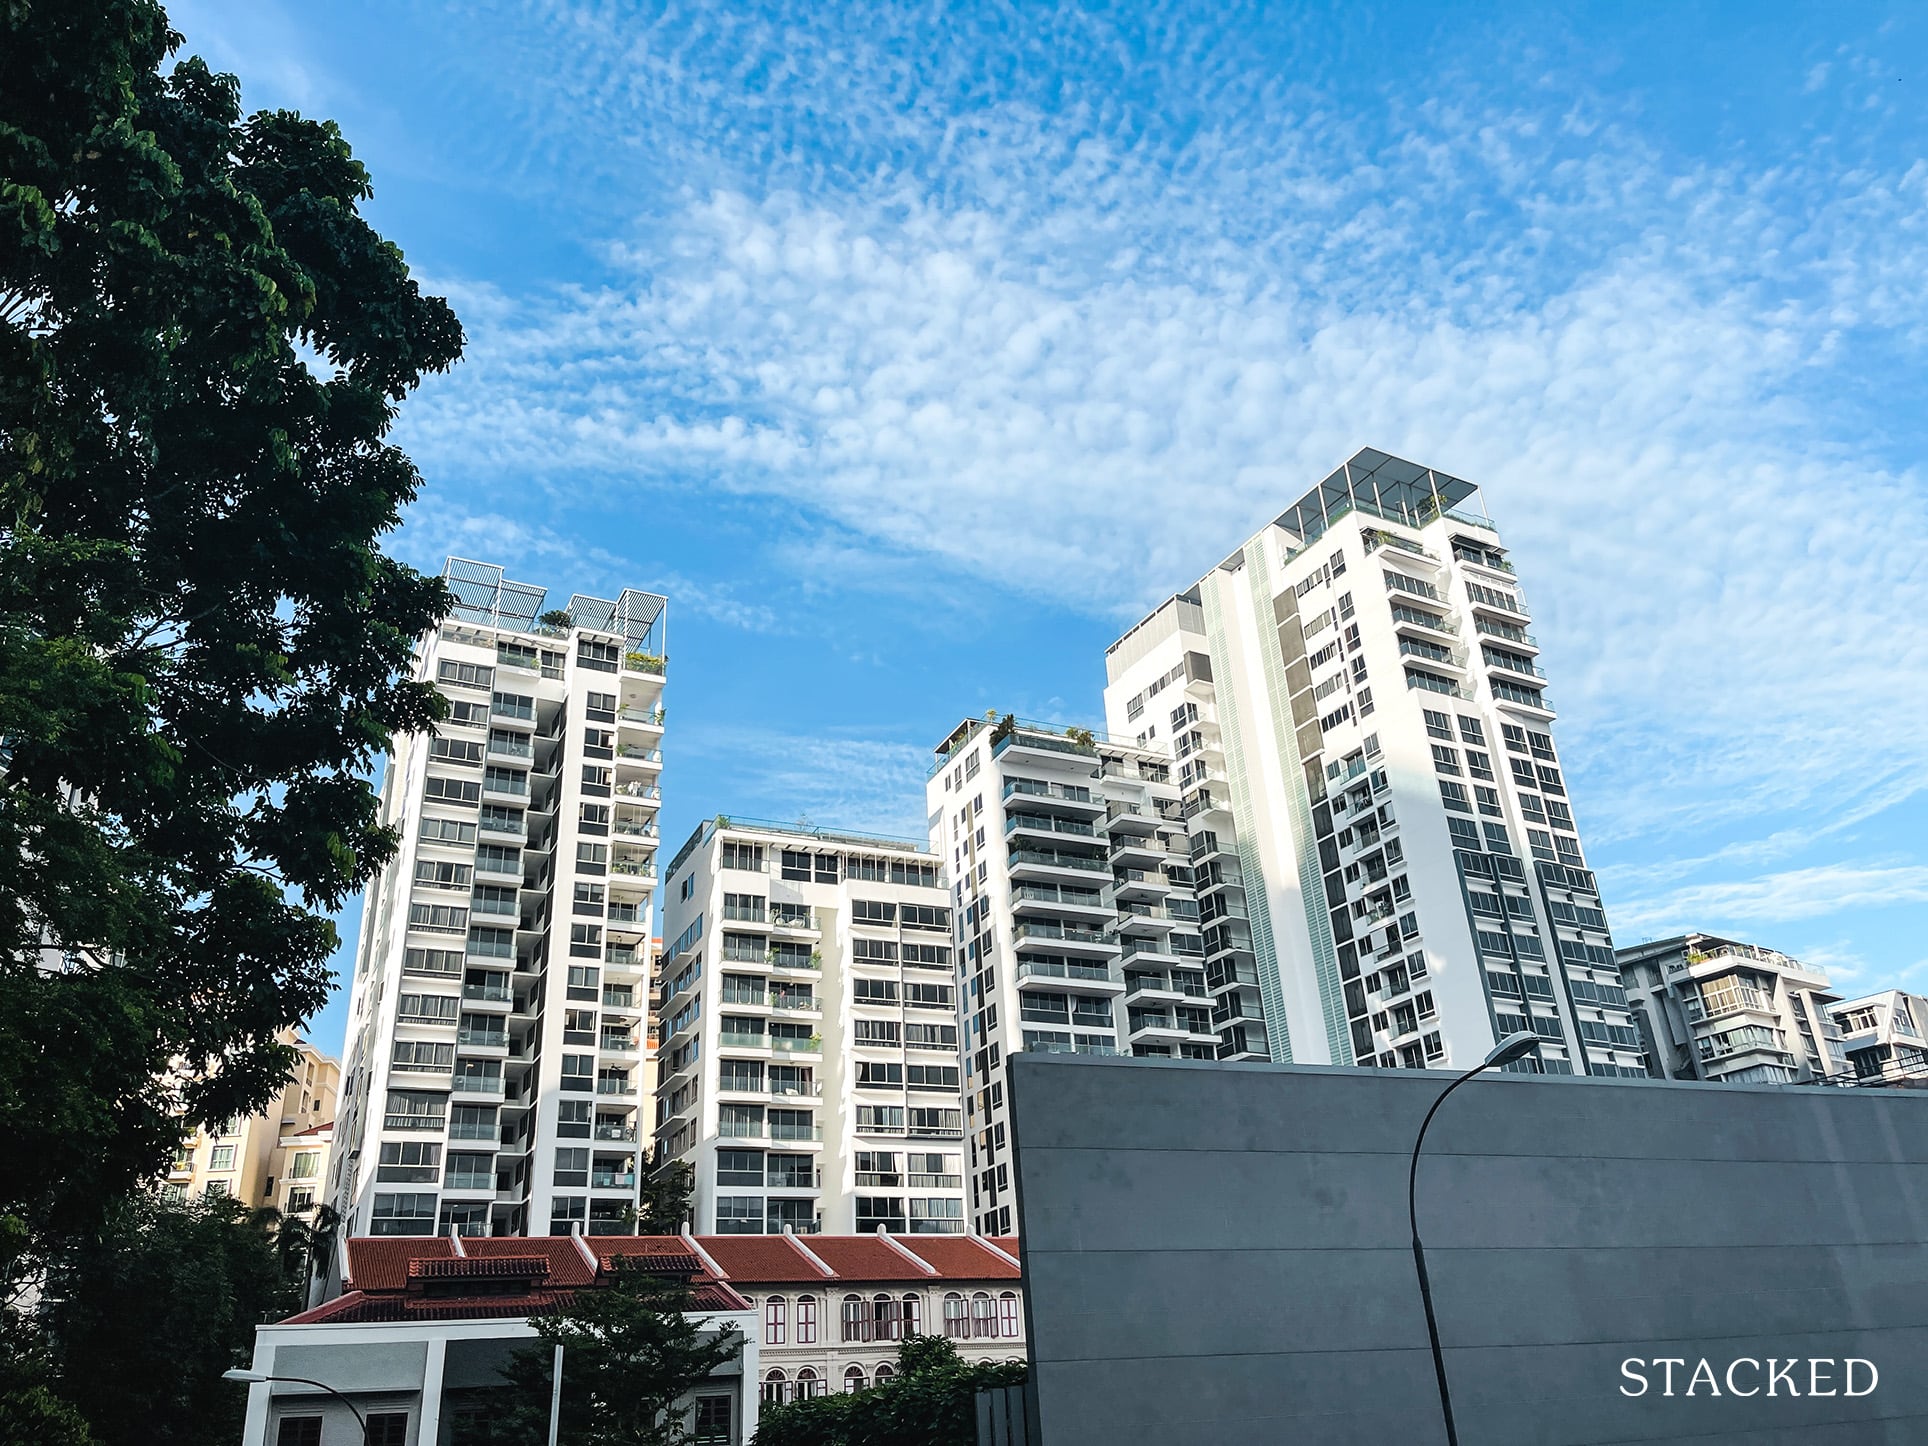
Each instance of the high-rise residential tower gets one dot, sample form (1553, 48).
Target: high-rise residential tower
(496, 1018)
(807, 1009)
(1089, 918)
(1722, 1010)
(1361, 730)
(1885, 1037)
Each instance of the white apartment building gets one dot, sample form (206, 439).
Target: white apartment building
(1361, 734)
(1885, 1037)
(1721, 1010)
(1088, 919)
(807, 1018)
(495, 1034)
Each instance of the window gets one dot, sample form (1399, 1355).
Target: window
(776, 1311)
(221, 1157)
(806, 1320)
(1453, 795)
(983, 1316)
(1497, 839)
(1470, 732)
(298, 1431)
(858, 1324)
(404, 1215)
(776, 1387)
(870, 911)
(409, 1162)
(464, 675)
(1007, 1315)
(1488, 800)
(1445, 760)
(712, 1423)
(853, 1380)
(387, 1428)
(956, 1317)
(1438, 725)
(739, 1215)
(873, 991)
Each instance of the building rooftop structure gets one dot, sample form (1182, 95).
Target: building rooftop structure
(449, 1277)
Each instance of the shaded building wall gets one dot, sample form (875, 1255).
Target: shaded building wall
(1220, 1254)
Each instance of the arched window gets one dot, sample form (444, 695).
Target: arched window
(857, 1325)
(889, 1314)
(956, 1316)
(776, 1387)
(775, 1310)
(809, 1384)
(806, 1320)
(983, 1316)
(1007, 1315)
(913, 1315)
(885, 1372)
(853, 1379)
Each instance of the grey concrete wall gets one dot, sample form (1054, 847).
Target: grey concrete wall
(1219, 1254)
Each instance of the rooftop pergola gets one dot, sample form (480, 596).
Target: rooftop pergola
(1393, 488)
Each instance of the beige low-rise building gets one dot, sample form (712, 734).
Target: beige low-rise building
(277, 1158)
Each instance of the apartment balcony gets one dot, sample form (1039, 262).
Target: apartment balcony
(1142, 852)
(1046, 826)
(1431, 655)
(490, 997)
(1073, 977)
(628, 874)
(1129, 885)
(599, 1180)
(1070, 799)
(615, 1089)
(1049, 901)
(1427, 681)
(1143, 919)
(644, 723)
(1025, 743)
(1520, 666)
(468, 1183)
(1424, 622)
(1069, 937)
(616, 1134)
(1510, 634)
(482, 1041)
(1131, 818)
(1162, 989)
(1154, 951)
(1154, 1029)
(1055, 865)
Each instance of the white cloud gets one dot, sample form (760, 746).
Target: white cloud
(866, 784)
(1779, 898)
(1076, 327)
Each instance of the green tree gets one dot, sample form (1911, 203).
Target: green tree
(631, 1351)
(158, 1303)
(932, 1401)
(666, 1192)
(203, 650)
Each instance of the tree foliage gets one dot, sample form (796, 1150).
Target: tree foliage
(140, 1319)
(202, 648)
(666, 1193)
(631, 1351)
(932, 1401)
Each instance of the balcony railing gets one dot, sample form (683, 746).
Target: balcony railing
(1058, 861)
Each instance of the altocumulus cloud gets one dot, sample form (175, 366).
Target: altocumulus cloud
(1074, 332)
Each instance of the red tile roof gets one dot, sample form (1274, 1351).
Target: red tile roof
(959, 1257)
(380, 1262)
(772, 1258)
(568, 1266)
(402, 1278)
(863, 1257)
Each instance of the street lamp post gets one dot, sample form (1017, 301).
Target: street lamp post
(1514, 1046)
(251, 1378)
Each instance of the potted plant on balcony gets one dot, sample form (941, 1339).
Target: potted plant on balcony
(556, 623)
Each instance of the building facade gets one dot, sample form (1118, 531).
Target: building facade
(1089, 918)
(1722, 1010)
(807, 1015)
(1361, 734)
(277, 1159)
(496, 1016)
(1885, 1037)
(418, 1340)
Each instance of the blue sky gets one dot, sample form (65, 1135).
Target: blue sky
(915, 350)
